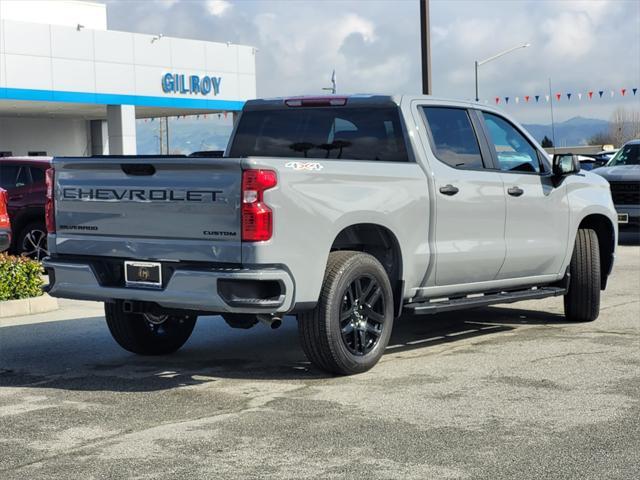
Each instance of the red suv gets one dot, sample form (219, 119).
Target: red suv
(5, 226)
(24, 180)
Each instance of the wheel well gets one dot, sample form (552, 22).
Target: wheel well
(606, 241)
(381, 243)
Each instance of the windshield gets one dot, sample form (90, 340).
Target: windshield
(627, 155)
(356, 133)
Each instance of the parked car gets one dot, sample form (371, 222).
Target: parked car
(5, 225)
(623, 174)
(596, 160)
(341, 210)
(24, 180)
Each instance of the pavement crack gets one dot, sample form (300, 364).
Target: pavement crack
(570, 354)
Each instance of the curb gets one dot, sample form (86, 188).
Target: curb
(28, 306)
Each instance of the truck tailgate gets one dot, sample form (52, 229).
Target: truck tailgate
(163, 208)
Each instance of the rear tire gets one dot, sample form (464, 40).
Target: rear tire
(350, 327)
(582, 301)
(152, 335)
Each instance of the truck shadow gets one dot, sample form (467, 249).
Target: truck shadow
(629, 237)
(79, 354)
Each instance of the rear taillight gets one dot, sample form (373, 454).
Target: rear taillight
(257, 217)
(4, 214)
(49, 205)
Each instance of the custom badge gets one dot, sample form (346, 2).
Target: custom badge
(309, 166)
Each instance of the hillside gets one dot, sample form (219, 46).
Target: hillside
(573, 132)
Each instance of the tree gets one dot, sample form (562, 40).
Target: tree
(624, 126)
(546, 142)
(601, 138)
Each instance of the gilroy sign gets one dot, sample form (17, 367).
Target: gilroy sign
(191, 84)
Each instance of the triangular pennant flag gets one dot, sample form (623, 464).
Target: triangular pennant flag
(579, 96)
(537, 98)
(634, 90)
(497, 100)
(517, 99)
(568, 96)
(526, 98)
(600, 92)
(506, 99)
(590, 95)
(547, 97)
(558, 96)
(612, 93)
(623, 91)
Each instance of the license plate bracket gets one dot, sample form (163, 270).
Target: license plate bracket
(143, 274)
(623, 218)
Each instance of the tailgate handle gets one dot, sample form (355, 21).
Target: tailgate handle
(138, 169)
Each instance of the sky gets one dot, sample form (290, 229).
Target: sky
(374, 46)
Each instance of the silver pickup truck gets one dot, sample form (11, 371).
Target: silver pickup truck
(344, 211)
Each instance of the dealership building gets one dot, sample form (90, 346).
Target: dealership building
(71, 86)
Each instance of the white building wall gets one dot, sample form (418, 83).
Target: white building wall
(56, 136)
(60, 12)
(61, 59)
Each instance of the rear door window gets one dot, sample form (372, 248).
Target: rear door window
(37, 175)
(13, 176)
(453, 138)
(335, 133)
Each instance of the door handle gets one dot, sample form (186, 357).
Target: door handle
(515, 191)
(449, 190)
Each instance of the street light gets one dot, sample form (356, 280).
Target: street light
(498, 55)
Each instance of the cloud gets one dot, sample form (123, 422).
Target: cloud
(218, 7)
(375, 45)
(570, 35)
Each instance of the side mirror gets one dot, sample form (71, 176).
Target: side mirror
(565, 164)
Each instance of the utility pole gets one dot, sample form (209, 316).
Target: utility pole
(161, 135)
(425, 36)
(553, 128)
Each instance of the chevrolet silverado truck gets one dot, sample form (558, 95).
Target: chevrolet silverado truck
(342, 211)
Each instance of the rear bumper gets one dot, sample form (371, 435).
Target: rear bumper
(216, 290)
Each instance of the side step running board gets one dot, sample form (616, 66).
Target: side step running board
(437, 306)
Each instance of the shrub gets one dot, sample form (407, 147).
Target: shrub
(20, 277)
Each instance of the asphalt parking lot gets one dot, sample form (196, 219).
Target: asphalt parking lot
(500, 392)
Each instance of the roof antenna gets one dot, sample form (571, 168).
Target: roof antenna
(333, 87)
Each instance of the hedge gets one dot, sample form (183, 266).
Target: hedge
(20, 277)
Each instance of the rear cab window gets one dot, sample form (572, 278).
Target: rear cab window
(332, 133)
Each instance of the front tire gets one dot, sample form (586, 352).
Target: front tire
(582, 300)
(148, 334)
(350, 327)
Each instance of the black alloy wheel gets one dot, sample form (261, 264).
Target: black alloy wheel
(362, 315)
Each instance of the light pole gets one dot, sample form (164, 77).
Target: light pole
(497, 55)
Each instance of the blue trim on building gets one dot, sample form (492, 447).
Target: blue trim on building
(116, 99)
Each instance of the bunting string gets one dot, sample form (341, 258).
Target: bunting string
(590, 95)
